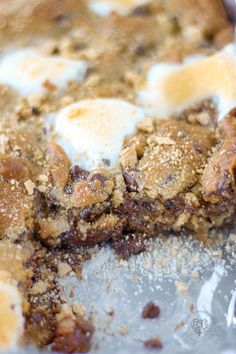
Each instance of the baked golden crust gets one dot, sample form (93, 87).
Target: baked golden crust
(173, 159)
(219, 175)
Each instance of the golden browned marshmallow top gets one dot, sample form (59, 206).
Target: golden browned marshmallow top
(93, 130)
(171, 88)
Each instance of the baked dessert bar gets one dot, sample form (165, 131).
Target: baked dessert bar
(117, 122)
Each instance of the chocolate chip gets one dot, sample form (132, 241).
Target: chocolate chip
(79, 46)
(151, 310)
(37, 317)
(147, 206)
(99, 177)
(67, 236)
(169, 179)
(198, 148)
(234, 174)
(92, 236)
(128, 245)
(143, 10)
(173, 206)
(60, 18)
(153, 343)
(85, 214)
(52, 203)
(131, 183)
(90, 214)
(35, 111)
(139, 50)
(78, 174)
(68, 189)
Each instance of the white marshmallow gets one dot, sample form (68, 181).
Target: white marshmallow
(26, 71)
(171, 88)
(91, 131)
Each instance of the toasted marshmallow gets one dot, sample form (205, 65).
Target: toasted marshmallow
(11, 317)
(122, 7)
(28, 71)
(171, 88)
(92, 131)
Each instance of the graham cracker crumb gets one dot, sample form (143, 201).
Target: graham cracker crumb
(181, 287)
(63, 269)
(146, 125)
(161, 140)
(29, 185)
(122, 330)
(79, 309)
(39, 288)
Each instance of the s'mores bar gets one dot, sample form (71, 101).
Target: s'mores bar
(117, 122)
